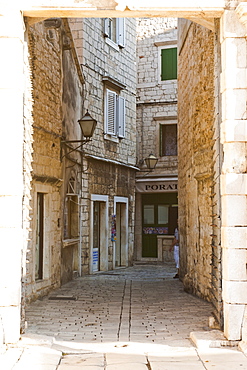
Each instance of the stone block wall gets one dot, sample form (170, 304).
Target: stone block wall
(46, 75)
(107, 172)
(195, 168)
(156, 99)
(110, 179)
(99, 59)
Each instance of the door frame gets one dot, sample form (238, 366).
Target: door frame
(103, 263)
(125, 234)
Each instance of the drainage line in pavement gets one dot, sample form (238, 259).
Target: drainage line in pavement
(121, 313)
(130, 308)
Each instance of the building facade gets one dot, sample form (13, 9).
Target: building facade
(156, 190)
(106, 50)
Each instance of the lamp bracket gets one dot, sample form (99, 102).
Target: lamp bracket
(76, 141)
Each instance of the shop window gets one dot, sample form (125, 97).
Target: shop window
(160, 213)
(114, 31)
(148, 214)
(168, 64)
(114, 114)
(168, 140)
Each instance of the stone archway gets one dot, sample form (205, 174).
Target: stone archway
(15, 187)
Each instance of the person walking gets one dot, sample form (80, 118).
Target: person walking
(175, 246)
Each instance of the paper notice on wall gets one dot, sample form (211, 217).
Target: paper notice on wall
(95, 259)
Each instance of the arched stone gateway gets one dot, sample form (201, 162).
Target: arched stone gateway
(230, 184)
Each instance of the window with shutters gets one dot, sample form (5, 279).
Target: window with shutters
(114, 32)
(168, 64)
(114, 114)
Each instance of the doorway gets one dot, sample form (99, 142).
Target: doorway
(39, 246)
(121, 242)
(99, 232)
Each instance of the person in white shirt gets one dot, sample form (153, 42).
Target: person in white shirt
(175, 246)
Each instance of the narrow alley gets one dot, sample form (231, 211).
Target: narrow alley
(133, 318)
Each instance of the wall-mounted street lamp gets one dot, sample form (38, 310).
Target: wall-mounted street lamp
(87, 125)
(151, 161)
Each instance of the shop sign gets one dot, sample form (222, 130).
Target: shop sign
(156, 187)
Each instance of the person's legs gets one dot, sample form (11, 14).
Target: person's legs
(176, 258)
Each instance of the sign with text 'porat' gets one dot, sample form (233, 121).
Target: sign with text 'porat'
(157, 187)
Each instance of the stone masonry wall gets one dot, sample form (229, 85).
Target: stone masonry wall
(45, 61)
(195, 144)
(156, 99)
(99, 59)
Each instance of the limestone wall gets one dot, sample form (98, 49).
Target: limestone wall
(99, 59)
(45, 62)
(156, 99)
(195, 143)
(106, 160)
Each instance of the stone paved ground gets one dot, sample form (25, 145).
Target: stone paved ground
(134, 318)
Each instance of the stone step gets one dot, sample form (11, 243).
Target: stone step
(211, 339)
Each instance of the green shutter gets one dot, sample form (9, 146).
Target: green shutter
(169, 64)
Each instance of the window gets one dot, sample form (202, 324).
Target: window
(114, 31)
(71, 211)
(168, 140)
(114, 114)
(39, 246)
(160, 213)
(168, 64)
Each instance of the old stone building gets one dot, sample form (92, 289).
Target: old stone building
(82, 194)
(106, 51)
(156, 190)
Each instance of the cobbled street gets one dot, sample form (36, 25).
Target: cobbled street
(133, 318)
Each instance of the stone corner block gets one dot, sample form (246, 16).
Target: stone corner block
(233, 319)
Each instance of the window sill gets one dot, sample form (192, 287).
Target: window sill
(115, 139)
(42, 283)
(112, 44)
(162, 82)
(69, 242)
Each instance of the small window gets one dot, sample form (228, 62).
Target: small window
(71, 211)
(114, 114)
(148, 214)
(40, 232)
(168, 140)
(169, 64)
(114, 30)
(163, 211)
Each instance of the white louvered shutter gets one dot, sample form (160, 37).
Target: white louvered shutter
(106, 27)
(121, 32)
(110, 112)
(121, 117)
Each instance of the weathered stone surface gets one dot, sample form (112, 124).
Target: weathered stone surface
(196, 117)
